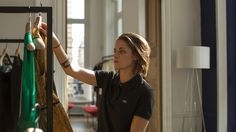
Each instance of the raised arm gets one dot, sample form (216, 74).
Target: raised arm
(84, 75)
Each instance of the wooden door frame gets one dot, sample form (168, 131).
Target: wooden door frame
(153, 35)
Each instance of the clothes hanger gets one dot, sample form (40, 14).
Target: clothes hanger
(28, 36)
(2, 55)
(17, 52)
(7, 60)
(37, 39)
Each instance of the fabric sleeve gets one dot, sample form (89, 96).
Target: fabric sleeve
(102, 78)
(145, 104)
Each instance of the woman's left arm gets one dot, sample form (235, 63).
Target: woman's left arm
(139, 124)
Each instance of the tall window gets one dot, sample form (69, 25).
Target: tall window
(119, 17)
(76, 21)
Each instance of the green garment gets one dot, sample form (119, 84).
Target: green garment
(28, 100)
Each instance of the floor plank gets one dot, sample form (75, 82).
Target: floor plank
(80, 124)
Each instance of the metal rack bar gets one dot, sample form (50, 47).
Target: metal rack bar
(11, 40)
(49, 83)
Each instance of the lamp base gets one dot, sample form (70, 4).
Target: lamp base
(191, 114)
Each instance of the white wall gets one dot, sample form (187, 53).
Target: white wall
(180, 27)
(109, 34)
(134, 16)
(102, 23)
(95, 34)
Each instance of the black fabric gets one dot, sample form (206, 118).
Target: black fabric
(96, 91)
(10, 88)
(121, 102)
(15, 92)
(5, 85)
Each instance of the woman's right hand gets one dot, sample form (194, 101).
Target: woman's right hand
(43, 30)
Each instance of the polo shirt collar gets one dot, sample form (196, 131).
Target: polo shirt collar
(133, 82)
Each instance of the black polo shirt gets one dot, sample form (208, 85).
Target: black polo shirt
(120, 102)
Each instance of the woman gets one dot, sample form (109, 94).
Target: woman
(127, 99)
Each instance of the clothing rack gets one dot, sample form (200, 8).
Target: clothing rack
(107, 57)
(49, 83)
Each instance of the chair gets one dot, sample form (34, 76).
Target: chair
(91, 112)
(70, 106)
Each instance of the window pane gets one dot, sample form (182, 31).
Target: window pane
(119, 6)
(75, 9)
(75, 51)
(119, 27)
(75, 43)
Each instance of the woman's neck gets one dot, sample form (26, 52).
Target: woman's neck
(126, 76)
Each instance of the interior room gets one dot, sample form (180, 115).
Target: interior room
(191, 64)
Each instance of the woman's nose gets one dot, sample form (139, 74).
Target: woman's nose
(116, 54)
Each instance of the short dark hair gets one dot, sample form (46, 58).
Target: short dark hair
(140, 49)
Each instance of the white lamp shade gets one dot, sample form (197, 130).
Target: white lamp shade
(193, 57)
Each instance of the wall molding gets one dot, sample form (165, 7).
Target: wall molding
(59, 26)
(221, 51)
(166, 66)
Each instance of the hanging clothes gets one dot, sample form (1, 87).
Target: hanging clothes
(28, 111)
(60, 118)
(5, 83)
(10, 82)
(16, 75)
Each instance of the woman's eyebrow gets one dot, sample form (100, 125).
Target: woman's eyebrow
(122, 48)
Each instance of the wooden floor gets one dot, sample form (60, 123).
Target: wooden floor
(80, 124)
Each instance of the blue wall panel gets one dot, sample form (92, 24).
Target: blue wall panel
(209, 84)
(231, 64)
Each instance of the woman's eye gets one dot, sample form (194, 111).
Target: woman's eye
(122, 52)
(119, 51)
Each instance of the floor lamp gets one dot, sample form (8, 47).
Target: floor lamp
(194, 58)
